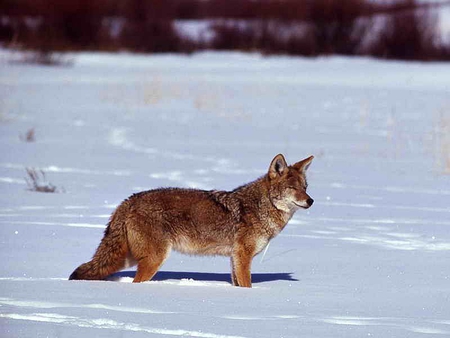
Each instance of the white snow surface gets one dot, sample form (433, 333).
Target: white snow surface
(371, 258)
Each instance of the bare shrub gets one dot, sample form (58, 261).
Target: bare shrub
(37, 181)
(235, 35)
(266, 36)
(408, 34)
(292, 37)
(56, 26)
(336, 25)
(150, 27)
(153, 36)
(6, 31)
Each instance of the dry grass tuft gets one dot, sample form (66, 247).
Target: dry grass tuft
(442, 145)
(37, 181)
(29, 136)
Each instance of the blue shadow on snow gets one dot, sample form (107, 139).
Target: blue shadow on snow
(208, 277)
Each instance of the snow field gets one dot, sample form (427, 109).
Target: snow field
(369, 259)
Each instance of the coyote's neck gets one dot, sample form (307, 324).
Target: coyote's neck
(255, 198)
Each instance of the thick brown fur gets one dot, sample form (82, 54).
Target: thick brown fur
(148, 225)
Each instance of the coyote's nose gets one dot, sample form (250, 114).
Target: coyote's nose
(310, 201)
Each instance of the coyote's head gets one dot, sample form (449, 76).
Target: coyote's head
(288, 184)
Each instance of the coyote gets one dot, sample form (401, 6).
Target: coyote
(239, 224)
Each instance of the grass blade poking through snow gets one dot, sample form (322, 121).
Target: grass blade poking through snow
(37, 181)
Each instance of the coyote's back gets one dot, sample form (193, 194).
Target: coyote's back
(148, 225)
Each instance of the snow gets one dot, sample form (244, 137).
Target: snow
(369, 259)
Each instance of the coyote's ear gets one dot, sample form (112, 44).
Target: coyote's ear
(278, 167)
(304, 164)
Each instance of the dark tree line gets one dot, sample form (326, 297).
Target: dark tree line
(400, 29)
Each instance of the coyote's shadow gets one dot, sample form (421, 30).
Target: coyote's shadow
(207, 277)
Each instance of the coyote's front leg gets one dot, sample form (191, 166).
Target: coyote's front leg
(241, 262)
(233, 273)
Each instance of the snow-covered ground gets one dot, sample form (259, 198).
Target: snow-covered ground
(371, 258)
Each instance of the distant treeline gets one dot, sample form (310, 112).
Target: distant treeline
(396, 29)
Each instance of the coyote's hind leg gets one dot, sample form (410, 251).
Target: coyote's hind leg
(150, 264)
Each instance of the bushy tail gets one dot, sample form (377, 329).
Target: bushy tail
(111, 253)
